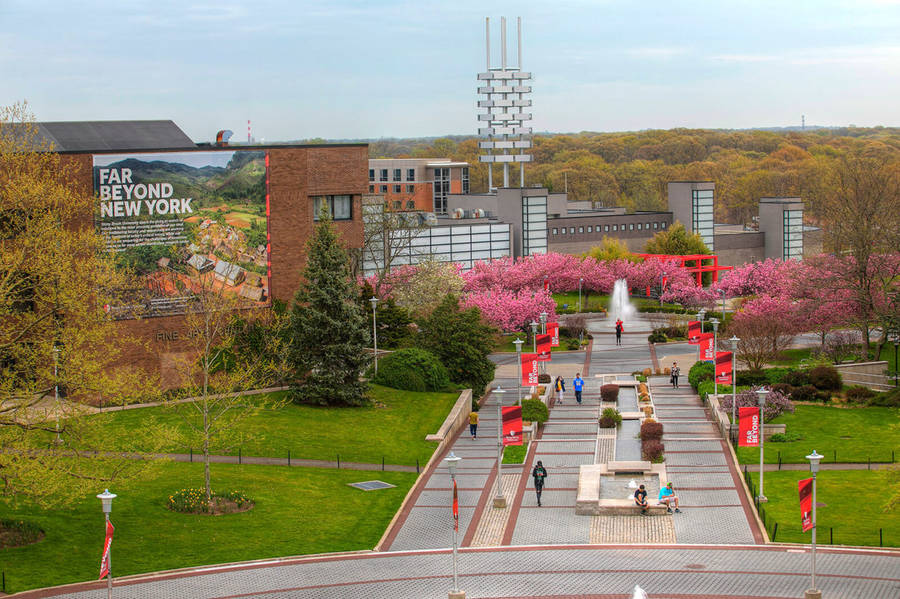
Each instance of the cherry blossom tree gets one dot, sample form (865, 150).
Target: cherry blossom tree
(766, 326)
(511, 310)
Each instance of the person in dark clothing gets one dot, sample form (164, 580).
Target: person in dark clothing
(676, 372)
(619, 330)
(640, 499)
(539, 473)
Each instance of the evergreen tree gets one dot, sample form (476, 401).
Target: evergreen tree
(328, 329)
(462, 341)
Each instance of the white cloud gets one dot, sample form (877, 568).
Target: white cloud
(888, 56)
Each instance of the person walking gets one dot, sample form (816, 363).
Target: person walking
(559, 386)
(640, 499)
(667, 496)
(619, 330)
(539, 473)
(676, 372)
(578, 385)
(473, 424)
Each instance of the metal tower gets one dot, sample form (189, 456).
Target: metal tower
(506, 127)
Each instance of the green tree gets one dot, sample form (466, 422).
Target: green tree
(676, 241)
(392, 320)
(612, 248)
(329, 332)
(462, 341)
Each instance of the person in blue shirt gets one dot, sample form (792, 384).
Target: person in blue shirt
(668, 497)
(577, 385)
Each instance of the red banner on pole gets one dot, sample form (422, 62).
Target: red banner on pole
(512, 425)
(529, 369)
(805, 488)
(723, 367)
(553, 331)
(546, 284)
(694, 331)
(748, 427)
(455, 507)
(544, 343)
(706, 347)
(104, 561)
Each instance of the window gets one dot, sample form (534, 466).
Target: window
(639, 226)
(664, 225)
(555, 231)
(383, 175)
(534, 225)
(410, 204)
(647, 226)
(590, 229)
(606, 228)
(410, 189)
(338, 206)
(397, 188)
(655, 225)
(465, 179)
(396, 204)
(410, 174)
(581, 229)
(615, 228)
(384, 189)
(397, 172)
(371, 189)
(702, 215)
(571, 230)
(371, 174)
(631, 226)
(441, 189)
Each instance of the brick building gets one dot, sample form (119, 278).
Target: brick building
(417, 183)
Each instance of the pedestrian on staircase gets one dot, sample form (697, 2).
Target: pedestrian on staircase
(539, 473)
(676, 371)
(578, 385)
(559, 386)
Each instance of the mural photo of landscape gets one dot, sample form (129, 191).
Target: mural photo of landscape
(175, 218)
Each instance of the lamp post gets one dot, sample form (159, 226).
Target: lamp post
(518, 343)
(534, 327)
(662, 282)
(734, 345)
(896, 336)
(499, 499)
(812, 592)
(374, 301)
(761, 396)
(452, 461)
(580, 283)
(56, 389)
(544, 316)
(106, 503)
(701, 316)
(715, 323)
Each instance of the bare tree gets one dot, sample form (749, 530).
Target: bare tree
(389, 237)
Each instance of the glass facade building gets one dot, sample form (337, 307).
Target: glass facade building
(702, 215)
(534, 225)
(793, 234)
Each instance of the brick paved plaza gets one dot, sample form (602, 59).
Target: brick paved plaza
(714, 548)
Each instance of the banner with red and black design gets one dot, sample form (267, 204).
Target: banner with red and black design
(512, 425)
(107, 544)
(723, 367)
(805, 488)
(694, 331)
(706, 347)
(530, 369)
(544, 345)
(455, 507)
(748, 427)
(553, 331)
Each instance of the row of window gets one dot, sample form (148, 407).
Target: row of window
(340, 206)
(610, 228)
(383, 174)
(395, 188)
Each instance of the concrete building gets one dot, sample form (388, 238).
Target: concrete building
(781, 221)
(417, 183)
(692, 203)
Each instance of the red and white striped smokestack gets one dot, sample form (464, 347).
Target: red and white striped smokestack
(248, 130)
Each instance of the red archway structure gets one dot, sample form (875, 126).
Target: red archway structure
(697, 267)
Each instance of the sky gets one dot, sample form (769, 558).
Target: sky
(381, 68)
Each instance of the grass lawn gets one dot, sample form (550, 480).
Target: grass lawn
(515, 454)
(395, 431)
(589, 303)
(792, 357)
(298, 511)
(852, 507)
(849, 434)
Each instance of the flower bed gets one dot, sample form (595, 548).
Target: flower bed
(193, 501)
(16, 533)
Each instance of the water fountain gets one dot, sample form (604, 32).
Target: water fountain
(620, 307)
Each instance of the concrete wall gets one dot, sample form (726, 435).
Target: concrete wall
(735, 249)
(565, 241)
(680, 205)
(771, 222)
(867, 374)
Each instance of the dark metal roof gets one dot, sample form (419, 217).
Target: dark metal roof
(92, 136)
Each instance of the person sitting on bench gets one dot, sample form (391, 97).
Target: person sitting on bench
(640, 499)
(667, 497)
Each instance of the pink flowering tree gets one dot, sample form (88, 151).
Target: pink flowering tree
(511, 310)
(766, 326)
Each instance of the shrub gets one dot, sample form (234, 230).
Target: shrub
(642, 388)
(859, 394)
(699, 372)
(534, 410)
(647, 372)
(651, 430)
(610, 418)
(193, 501)
(609, 392)
(657, 337)
(544, 378)
(804, 393)
(796, 378)
(752, 378)
(783, 388)
(398, 376)
(16, 533)
(825, 378)
(891, 399)
(640, 378)
(572, 344)
(644, 397)
(652, 451)
(422, 363)
(823, 396)
(785, 437)
(776, 403)
(776, 375)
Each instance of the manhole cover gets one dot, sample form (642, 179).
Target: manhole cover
(695, 566)
(372, 485)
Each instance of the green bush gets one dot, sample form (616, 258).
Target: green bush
(859, 394)
(422, 363)
(652, 450)
(699, 372)
(804, 393)
(610, 418)
(657, 337)
(572, 344)
(785, 437)
(776, 375)
(796, 378)
(534, 410)
(825, 378)
(752, 378)
(609, 392)
(640, 378)
(891, 399)
(403, 378)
